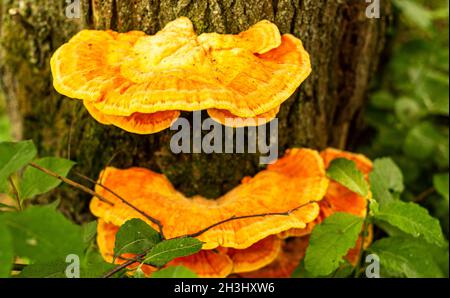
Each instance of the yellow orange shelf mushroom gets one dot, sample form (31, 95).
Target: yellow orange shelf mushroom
(220, 262)
(290, 189)
(283, 196)
(293, 194)
(337, 199)
(140, 82)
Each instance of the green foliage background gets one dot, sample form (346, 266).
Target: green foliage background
(408, 111)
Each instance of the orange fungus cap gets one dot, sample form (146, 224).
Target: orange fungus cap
(120, 74)
(284, 196)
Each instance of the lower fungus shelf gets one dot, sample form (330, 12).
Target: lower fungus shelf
(242, 231)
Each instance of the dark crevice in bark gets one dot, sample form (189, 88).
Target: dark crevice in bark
(114, 16)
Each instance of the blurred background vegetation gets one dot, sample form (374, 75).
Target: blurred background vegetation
(408, 113)
(4, 121)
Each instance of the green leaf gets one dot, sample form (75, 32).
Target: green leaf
(165, 251)
(440, 182)
(300, 271)
(434, 91)
(35, 182)
(14, 156)
(413, 219)
(408, 111)
(345, 172)
(415, 13)
(91, 266)
(135, 236)
(406, 257)
(4, 186)
(386, 177)
(6, 251)
(382, 100)
(174, 272)
(330, 241)
(89, 231)
(421, 141)
(52, 269)
(43, 234)
(344, 270)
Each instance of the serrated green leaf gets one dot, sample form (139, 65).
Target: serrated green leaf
(386, 177)
(14, 156)
(406, 257)
(43, 234)
(135, 236)
(165, 251)
(345, 172)
(389, 229)
(392, 175)
(330, 241)
(413, 219)
(6, 251)
(440, 182)
(174, 272)
(35, 182)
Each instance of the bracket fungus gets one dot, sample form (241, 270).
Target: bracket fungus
(219, 262)
(259, 229)
(290, 188)
(140, 82)
(337, 199)
(238, 230)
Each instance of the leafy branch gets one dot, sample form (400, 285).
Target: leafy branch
(141, 256)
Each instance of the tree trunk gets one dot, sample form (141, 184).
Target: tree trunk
(343, 43)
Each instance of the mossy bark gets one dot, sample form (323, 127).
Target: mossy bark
(344, 44)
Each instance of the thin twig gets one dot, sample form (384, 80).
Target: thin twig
(196, 234)
(72, 183)
(233, 218)
(122, 266)
(422, 196)
(150, 218)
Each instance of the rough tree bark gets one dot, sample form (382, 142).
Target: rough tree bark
(344, 44)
